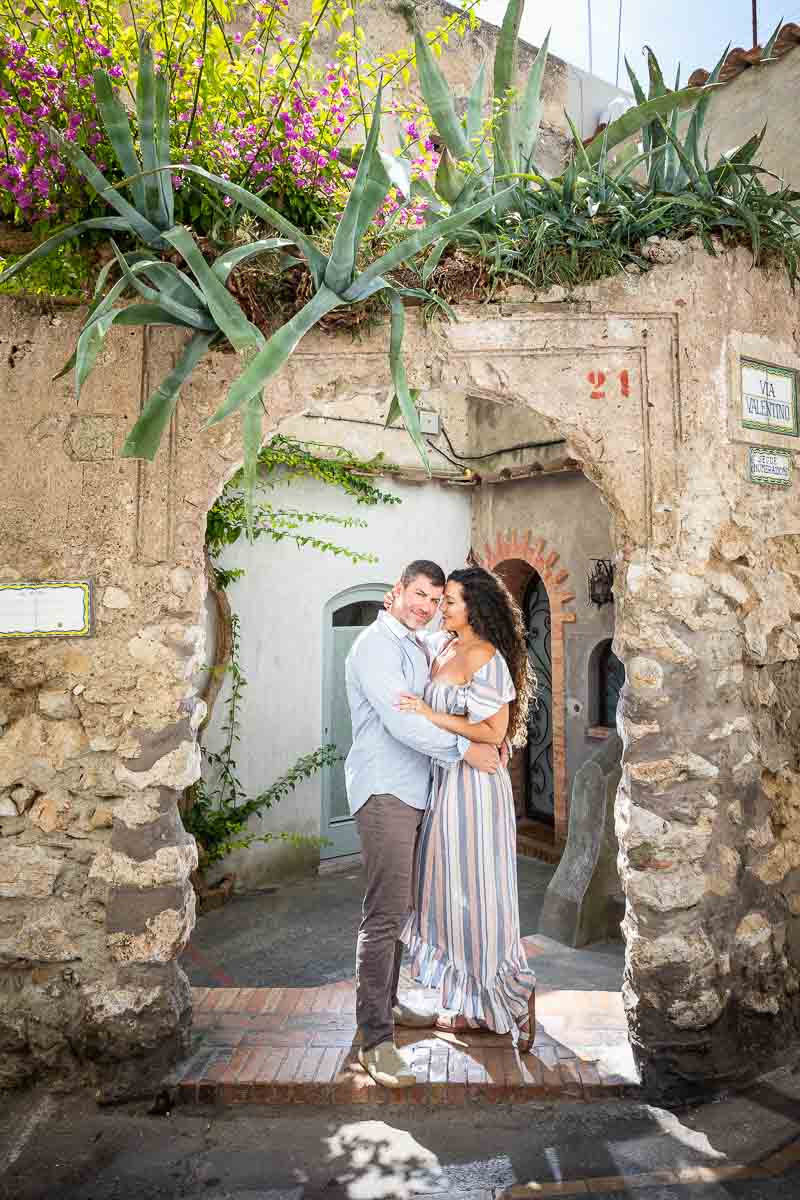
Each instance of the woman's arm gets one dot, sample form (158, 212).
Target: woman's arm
(493, 730)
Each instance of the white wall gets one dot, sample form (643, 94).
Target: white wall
(280, 604)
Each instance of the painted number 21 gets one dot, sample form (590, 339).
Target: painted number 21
(598, 380)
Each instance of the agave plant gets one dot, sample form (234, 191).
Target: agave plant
(596, 217)
(466, 172)
(199, 301)
(673, 164)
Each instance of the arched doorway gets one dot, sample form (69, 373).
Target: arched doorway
(346, 615)
(539, 583)
(540, 789)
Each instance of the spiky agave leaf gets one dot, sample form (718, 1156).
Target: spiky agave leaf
(155, 208)
(529, 118)
(436, 94)
(505, 70)
(405, 403)
(93, 333)
(419, 240)
(342, 261)
(225, 310)
(642, 116)
(227, 262)
(145, 437)
(191, 316)
(138, 224)
(692, 144)
(474, 120)
(162, 149)
(767, 54)
(116, 123)
(671, 159)
(316, 260)
(274, 353)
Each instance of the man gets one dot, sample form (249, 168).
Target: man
(388, 778)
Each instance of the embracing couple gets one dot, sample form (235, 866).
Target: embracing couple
(432, 801)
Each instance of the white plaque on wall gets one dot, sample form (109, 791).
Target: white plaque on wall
(765, 465)
(769, 398)
(59, 608)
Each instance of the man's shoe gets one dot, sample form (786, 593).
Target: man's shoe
(413, 1018)
(386, 1066)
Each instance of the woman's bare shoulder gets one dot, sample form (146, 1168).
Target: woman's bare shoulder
(479, 655)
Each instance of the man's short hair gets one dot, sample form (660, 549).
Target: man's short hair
(423, 566)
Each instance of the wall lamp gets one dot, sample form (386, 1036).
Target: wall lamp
(600, 582)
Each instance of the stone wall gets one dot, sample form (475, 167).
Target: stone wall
(758, 97)
(640, 379)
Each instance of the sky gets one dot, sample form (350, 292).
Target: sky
(692, 33)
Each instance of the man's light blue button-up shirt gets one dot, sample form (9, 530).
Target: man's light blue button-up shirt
(391, 750)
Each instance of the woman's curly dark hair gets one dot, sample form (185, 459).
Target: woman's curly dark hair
(495, 616)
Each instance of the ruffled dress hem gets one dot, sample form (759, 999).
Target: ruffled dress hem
(494, 1005)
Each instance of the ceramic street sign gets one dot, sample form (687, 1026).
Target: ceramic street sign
(769, 398)
(51, 609)
(769, 466)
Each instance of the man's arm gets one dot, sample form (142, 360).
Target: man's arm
(381, 679)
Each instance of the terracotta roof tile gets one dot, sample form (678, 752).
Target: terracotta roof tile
(739, 60)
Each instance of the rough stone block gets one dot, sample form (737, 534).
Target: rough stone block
(42, 938)
(28, 871)
(58, 705)
(584, 901)
(33, 749)
(51, 811)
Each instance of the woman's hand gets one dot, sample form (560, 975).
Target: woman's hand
(388, 599)
(408, 702)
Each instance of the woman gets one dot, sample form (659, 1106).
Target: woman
(464, 933)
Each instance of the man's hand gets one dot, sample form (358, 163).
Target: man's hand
(483, 757)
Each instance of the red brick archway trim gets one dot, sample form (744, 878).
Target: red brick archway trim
(509, 546)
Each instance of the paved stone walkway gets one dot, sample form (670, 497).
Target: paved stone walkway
(282, 1045)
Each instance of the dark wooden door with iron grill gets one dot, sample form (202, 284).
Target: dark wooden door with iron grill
(541, 794)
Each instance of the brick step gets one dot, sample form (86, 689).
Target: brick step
(298, 1045)
(532, 848)
(535, 839)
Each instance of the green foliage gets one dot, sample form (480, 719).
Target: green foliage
(204, 306)
(466, 173)
(596, 218)
(291, 459)
(220, 810)
(67, 272)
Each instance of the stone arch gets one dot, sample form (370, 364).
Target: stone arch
(512, 547)
(641, 376)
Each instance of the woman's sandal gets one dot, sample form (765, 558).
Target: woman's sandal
(453, 1023)
(527, 1027)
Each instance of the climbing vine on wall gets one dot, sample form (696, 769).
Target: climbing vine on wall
(218, 809)
(284, 459)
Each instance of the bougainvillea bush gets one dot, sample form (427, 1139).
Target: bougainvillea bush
(250, 99)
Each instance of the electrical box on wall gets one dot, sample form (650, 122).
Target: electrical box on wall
(429, 422)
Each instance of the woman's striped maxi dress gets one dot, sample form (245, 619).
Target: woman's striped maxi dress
(463, 934)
